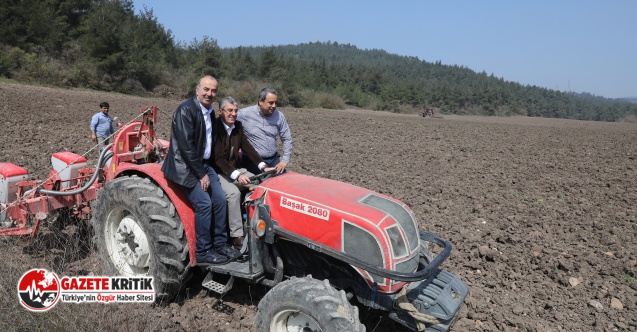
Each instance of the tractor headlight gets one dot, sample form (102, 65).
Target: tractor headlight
(259, 227)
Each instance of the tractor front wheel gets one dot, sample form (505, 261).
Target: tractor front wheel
(138, 233)
(307, 304)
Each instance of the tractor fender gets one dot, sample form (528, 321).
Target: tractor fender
(174, 192)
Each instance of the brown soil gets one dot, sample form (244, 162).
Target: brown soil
(541, 212)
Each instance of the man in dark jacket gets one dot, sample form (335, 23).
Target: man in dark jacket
(189, 164)
(229, 140)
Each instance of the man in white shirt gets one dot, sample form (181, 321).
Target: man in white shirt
(189, 163)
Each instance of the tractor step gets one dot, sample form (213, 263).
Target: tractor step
(220, 286)
(238, 268)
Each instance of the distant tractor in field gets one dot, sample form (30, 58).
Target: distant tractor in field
(427, 113)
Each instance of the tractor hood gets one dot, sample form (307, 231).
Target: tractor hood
(360, 222)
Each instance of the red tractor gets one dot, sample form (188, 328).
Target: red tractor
(323, 246)
(427, 113)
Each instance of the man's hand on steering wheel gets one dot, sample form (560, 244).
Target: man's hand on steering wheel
(280, 167)
(267, 173)
(243, 179)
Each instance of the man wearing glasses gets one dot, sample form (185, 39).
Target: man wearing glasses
(230, 138)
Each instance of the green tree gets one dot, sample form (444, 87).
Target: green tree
(102, 38)
(267, 62)
(205, 56)
(150, 50)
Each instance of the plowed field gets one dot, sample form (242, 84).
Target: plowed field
(541, 212)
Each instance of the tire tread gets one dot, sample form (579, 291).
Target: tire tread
(157, 216)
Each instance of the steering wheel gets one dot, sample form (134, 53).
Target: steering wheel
(262, 176)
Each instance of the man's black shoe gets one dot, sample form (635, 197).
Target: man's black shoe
(237, 242)
(210, 257)
(228, 251)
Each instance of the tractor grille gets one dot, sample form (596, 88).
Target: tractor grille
(359, 243)
(399, 214)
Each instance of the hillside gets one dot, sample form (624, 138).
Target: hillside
(106, 46)
(401, 83)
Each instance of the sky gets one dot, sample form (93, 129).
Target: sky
(567, 45)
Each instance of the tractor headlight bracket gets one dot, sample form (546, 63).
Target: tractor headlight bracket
(268, 224)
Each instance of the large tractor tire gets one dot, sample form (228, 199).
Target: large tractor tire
(138, 233)
(306, 304)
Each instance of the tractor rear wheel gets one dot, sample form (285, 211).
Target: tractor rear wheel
(138, 233)
(307, 304)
